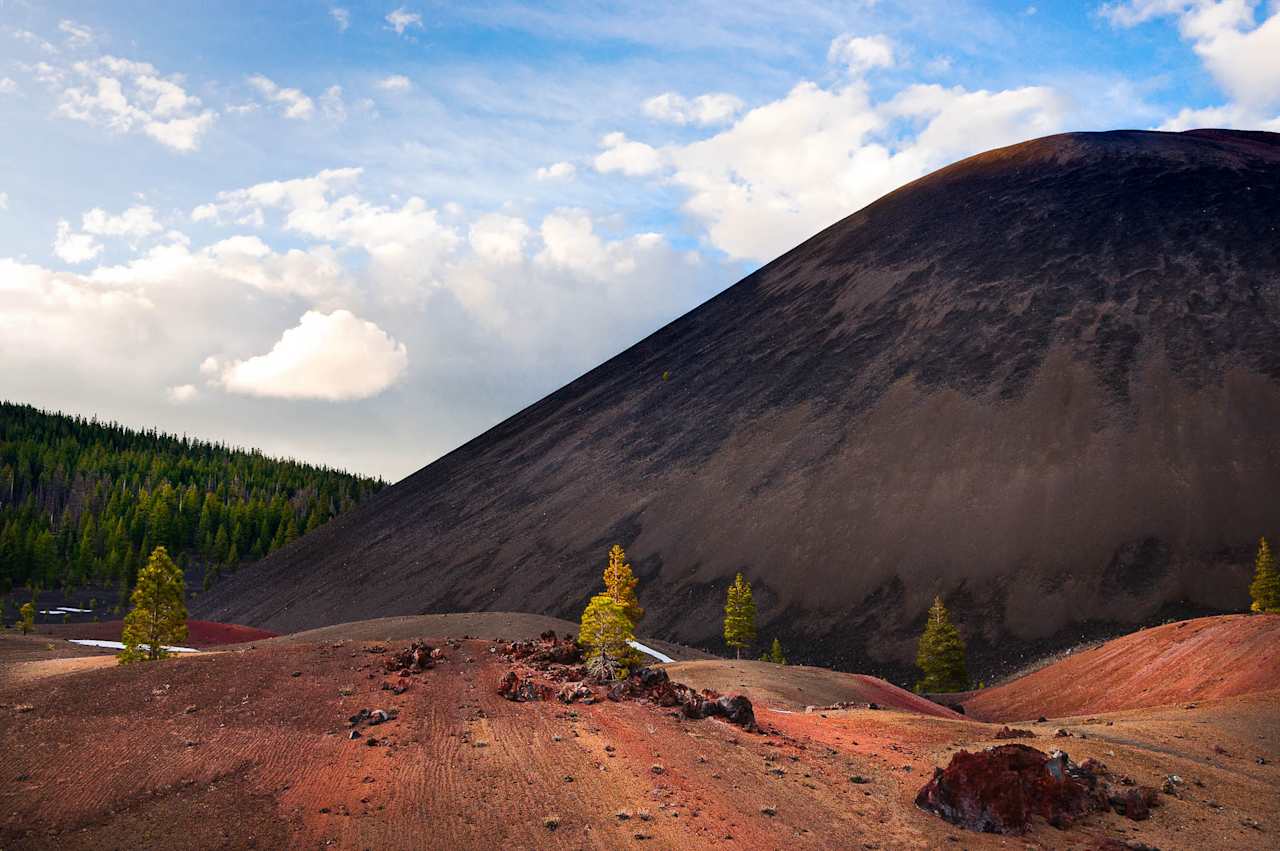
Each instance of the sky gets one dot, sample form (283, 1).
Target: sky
(360, 234)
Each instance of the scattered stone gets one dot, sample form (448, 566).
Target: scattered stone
(1042, 720)
(1251, 823)
(858, 779)
(396, 688)
(769, 811)
(551, 822)
(191, 708)
(354, 734)
(656, 769)
(1007, 732)
(295, 674)
(371, 742)
(375, 648)
(23, 707)
(1221, 751)
(1262, 760)
(1171, 784)
(1062, 733)
(190, 743)
(1135, 802)
(777, 771)
(415, 657)
(622, 815)
(644, 815)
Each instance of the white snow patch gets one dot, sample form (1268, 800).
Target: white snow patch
(116, 645)
(661, 657)
(74, 609)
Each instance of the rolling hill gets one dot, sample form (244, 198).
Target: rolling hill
(1043, 382)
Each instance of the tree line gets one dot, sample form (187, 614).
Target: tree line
(85, 503)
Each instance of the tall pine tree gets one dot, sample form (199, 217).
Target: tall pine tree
(159, 615)
(940, 655)
(1265, 588)
(620, 584)
(739, 616)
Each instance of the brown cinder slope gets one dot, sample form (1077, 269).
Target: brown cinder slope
(1044, 381)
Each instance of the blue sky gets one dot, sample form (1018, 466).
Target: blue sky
(362, 233)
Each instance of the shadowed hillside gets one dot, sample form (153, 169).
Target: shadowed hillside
(1042, 382)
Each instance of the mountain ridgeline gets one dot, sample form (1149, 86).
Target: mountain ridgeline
(1043, 383)
(83, 503)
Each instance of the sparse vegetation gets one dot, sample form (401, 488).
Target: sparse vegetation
(604, 632)
(159, 615)
(774, 653)
(26, 617)
(739, 616)
(1265, 588)
(620, 584)
(940, 655)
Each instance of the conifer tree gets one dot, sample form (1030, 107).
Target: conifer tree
(604, 631)
(26, 617)
(940, 654)
(774, 654)
(739, 616)
(159, 615)
(620, 584)
(1265, 588)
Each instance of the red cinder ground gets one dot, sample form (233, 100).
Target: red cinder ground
(1191, 660)
(231, 749)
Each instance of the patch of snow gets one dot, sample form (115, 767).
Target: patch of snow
(74, 609)
(661, 657)
(116, 645)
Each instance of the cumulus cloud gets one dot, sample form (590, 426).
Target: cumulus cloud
(4, 201)
(861, 53)
(74, 247)
(125, 96)
(1242, 55)
(332, 105)
(395, 83)
(8, 86)
(788, 168)
(402, 19)
(702, 111)
(498, 238)
(626, 156)
(556, 171)
(342, 17)
(293, 102)
(180, 394)
(134, 223)
(335, 356)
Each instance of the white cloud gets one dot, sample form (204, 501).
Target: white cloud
(402, 19)
(498, 238)
(556, 171)
(342, 17)
(335, 357)
(182, 393)
(8, 86)
(332, 105)
(4, 200)
(630, 158)
(395, 83)
(1242, 55)
(135, 222)
(861, 53)
(703, 110)
(74, 247)
(296, 105)
(124, 96)
(789, 168)
(78, 35)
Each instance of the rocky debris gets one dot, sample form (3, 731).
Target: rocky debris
(839, 705)
(573, 692)
(416, 657)
(372, 717)
(1007, 732)
(654, 685)
(522, 689)
(1000, 789)
(395, 688)
(547, 649)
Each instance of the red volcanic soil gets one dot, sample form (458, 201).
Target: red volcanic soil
(200, 634)
(1191, 660)
(249, 748)
(798, 686)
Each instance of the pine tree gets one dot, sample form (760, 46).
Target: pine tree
(620, 584)
(1265, 588)
(604, 631)
(774, 654)
(940, 654)
(739, 616)
(159, 615)
(26, 617)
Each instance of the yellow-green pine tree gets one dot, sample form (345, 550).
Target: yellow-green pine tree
(739, 616)
(940, 654)
(604, 632)
(159, 615)
(620, 584)
(1265, 588)
(26, 617)
(774, 654)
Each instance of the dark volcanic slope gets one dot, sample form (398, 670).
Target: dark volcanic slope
(1044, 381)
